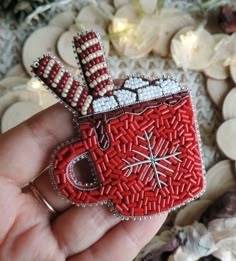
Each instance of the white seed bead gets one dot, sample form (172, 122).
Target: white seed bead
(36, 64)
(83, 112)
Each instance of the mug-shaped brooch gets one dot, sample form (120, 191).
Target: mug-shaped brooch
(138, 145)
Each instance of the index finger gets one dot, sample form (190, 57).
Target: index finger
(25, 149)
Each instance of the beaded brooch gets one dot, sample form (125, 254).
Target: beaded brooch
(138, 145)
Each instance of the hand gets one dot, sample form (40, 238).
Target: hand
(28, 231)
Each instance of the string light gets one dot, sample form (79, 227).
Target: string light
(120, 24)
(189, 40)
(34, 84)
(184, 47)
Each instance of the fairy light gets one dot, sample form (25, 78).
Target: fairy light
(125, 31)
(184, 47)
(34, 84)
(120, 24)
(189, 40)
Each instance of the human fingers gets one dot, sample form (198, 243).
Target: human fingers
(123, 242)
(26, 148)
(79, 228)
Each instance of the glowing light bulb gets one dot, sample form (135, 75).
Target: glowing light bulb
(120, 24)
(35, 84)
(189, 40)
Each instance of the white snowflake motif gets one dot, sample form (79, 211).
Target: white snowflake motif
(152, 160)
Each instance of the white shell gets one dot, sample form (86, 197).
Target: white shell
(140, 41)
(232, 69)
(149, 7)
(169, 22)
(17, 113)
(40, 41)
(219, 179)
(65, 49)
(217, 69)
(191, 212)
(13, 81)
(63, 20)
(218, 89)
(92, 14)
(226, 138)
(119, 3)
(199, 56)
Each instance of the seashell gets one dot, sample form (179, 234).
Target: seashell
(219, 179)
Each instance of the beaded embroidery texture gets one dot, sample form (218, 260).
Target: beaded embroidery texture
(140, 139)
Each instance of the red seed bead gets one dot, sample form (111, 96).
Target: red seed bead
(97, 74)
(103, 71)
(109, 93)
(92, 49)
(39, 71)
(80, 41)
(73, 86)
(63, 81)
(43, 63)
(90, 110)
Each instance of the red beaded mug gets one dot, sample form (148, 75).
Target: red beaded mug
(137, 143)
